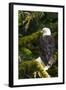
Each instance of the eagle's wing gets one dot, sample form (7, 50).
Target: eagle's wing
(47, 47)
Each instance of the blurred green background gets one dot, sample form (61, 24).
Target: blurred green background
(30, 24)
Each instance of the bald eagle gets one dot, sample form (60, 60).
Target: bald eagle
(47, 47)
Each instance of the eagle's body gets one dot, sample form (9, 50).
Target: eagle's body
(47, 47)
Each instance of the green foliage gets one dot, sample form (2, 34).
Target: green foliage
(23, 41)
(27, 69)
(26, 53)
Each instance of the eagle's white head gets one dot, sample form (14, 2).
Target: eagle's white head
(46, 31)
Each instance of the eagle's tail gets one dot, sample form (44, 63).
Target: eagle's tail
(50, 63)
